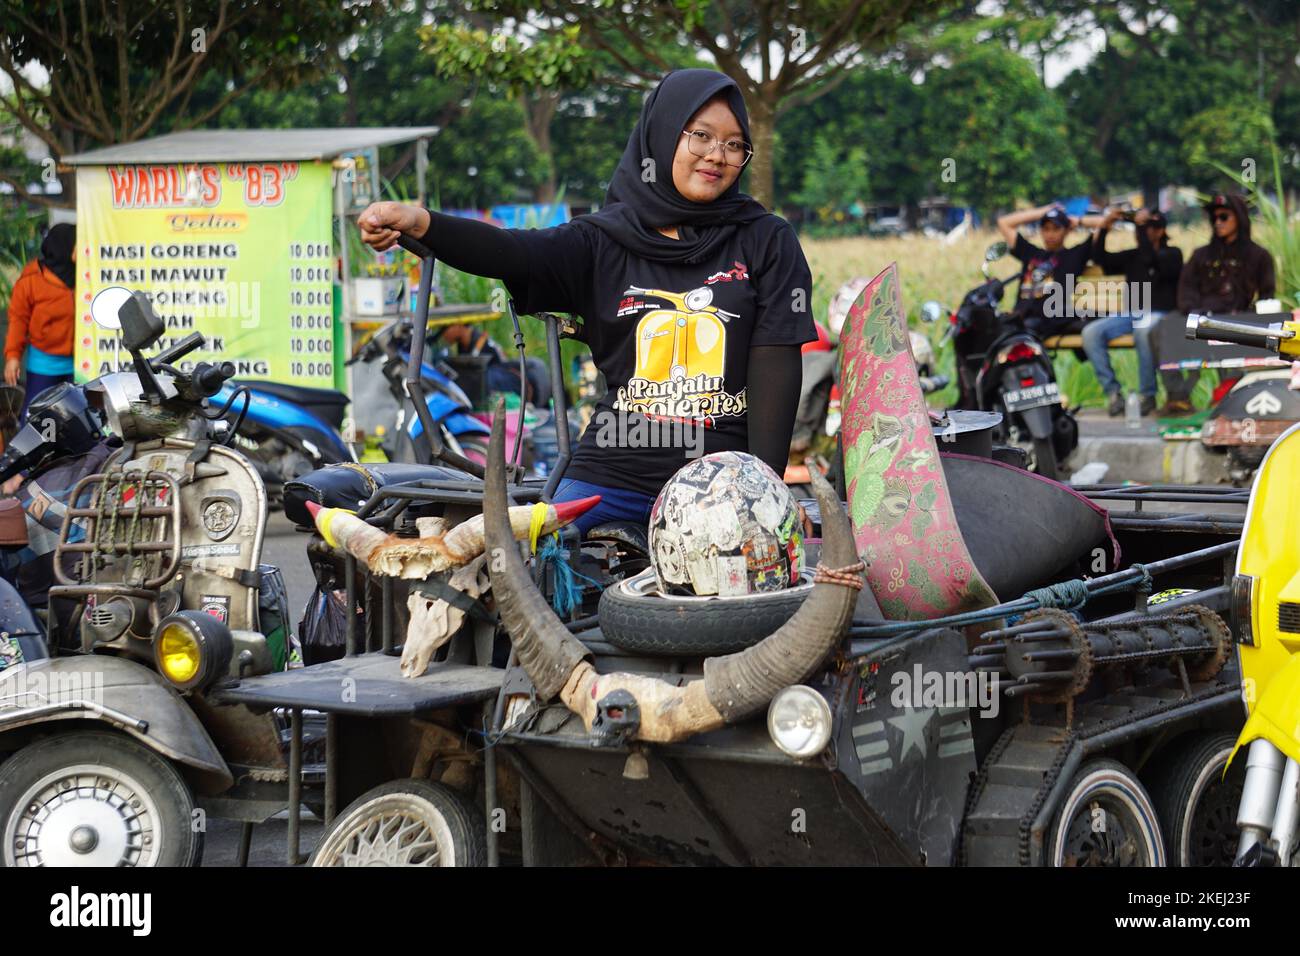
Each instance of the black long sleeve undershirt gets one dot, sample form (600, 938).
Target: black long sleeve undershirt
(478, 248)
(772, 397)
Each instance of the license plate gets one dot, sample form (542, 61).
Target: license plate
(1032, 396)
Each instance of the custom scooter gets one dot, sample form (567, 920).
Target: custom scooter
(106, 737)
(1266, 623)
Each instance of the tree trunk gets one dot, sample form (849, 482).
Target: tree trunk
(539, 109)
(762, 168)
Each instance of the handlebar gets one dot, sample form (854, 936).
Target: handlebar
(415, 247)
(182, 348)
(1208, 329)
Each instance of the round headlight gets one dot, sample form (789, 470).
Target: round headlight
(799, 721)
(192, 649)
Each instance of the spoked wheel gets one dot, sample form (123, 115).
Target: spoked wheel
(1106, 819)
(95, 799)
(405, 823)
(1196, 803)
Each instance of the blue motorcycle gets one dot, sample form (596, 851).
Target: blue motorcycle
(287, 430)
(451, 408)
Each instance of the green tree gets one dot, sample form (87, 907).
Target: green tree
(1237, 135)
(797, 52)
(115, 70)
(993, 134)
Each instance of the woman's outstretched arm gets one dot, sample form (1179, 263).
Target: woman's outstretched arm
(469, 245)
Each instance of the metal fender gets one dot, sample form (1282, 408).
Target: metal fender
(117, 692)
(1038, 420)
(1276, 715)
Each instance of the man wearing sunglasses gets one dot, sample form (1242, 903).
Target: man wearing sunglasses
(1228, 275)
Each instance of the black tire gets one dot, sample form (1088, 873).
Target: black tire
(635, 617)
(96, 776)
(448, 829)
(1196, 804)
(1105, 819)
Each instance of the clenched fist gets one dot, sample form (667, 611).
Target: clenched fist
(383, 222)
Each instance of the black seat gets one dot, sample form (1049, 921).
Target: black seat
(348, 485)
(326, 402)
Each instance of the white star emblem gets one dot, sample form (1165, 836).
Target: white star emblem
(913, 724)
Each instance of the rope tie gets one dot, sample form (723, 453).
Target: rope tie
(568, 590)
(536, 520)
(849, 576)
(1066, 595)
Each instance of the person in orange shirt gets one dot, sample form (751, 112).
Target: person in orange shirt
(41, 312)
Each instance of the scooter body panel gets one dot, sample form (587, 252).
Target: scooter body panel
(114, 691)
(1270, 553)
(282, 418)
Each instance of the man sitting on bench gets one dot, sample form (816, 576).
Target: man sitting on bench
(1151, 288)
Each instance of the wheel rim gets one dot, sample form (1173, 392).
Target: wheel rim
(86, 815)
(1122, 840)
(394, 830)
(1209, 831)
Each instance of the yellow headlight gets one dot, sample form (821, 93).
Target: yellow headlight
(179, 654)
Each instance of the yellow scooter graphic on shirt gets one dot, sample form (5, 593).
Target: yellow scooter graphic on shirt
(1266, 625)
(687, 339)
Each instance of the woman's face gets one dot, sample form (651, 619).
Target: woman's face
(705, 178)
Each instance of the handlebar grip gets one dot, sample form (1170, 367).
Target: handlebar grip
(1208, 329)
(208, 379)
(415, 247)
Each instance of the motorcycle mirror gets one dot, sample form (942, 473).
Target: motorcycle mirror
(141, 327)
(996, 251)
(104, 307)
(931, 311)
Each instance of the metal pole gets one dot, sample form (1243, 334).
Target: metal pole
(295, 784)
(561, 400)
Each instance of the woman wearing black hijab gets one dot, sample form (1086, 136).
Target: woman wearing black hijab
(695, 299)
(41, 311)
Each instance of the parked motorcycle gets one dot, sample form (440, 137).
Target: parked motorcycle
(158, 552)
(389, 350)
(287, 430)
(1260, 405)
(1266, 620)
(1003, 367)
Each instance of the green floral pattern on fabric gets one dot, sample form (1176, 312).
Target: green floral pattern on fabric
(899, 504)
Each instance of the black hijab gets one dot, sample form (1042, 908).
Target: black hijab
(56, 253)
(634, 208)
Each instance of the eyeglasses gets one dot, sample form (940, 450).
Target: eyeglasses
(735, 152)
(1223, 217)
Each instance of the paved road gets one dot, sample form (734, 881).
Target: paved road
(286, 549)
(270, 841)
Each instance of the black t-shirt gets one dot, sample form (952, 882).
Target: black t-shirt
(1042, 269)
(672, 339)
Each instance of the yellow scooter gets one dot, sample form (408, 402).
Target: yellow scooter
(1266, 624)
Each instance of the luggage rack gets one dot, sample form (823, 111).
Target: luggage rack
(124, 519)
